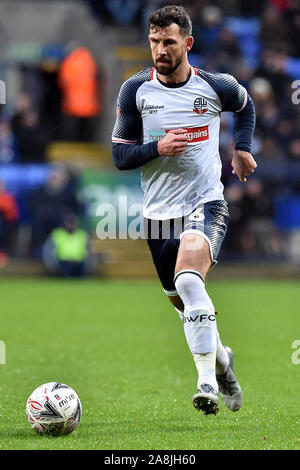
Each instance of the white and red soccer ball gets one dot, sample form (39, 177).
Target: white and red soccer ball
(54, 408)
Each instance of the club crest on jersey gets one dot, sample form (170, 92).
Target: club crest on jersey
(200, 105)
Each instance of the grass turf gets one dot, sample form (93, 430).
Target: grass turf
(121, 346)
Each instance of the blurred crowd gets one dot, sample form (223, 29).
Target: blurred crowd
(257, 42)
(67, 110)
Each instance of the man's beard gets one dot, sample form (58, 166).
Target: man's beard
(167, 68)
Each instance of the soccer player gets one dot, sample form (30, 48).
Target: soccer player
(167, 123)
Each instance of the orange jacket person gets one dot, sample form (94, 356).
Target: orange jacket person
(78, 81)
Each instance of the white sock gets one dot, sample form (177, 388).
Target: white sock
(199, 323)
(222, 357)
(205, 364)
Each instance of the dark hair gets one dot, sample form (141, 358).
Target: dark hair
(169, 14)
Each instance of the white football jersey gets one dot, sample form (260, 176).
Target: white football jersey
(148, 109)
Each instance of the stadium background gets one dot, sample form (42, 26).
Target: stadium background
(116, 340)
(49, 158)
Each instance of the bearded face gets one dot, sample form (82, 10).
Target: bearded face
(168, 48)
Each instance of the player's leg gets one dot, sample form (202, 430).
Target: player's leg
(193, 263)
(229, 387)
(165, 255)
(222, 356)
(199, 246)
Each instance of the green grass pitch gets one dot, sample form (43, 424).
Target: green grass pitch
(121, 346)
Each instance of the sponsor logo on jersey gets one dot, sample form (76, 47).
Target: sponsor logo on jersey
(194, 134)
(156, 135)
(200, 105)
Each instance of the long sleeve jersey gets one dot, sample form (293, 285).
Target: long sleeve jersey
(148, 109)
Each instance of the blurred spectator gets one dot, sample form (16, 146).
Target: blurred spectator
(50, 203)
(258, 203)
(81, 105)
(66, 252)
(285, 131)
(281, 5)
(252, 230)
(294, 149)
(274, 32)
(207, 24)
(250, 8)
(269, 151)
(23, 104)
(272, 68)
(227, 45)
(118, 12)
(261, 90)
(234, 244)
(258, 209)
(96, 7)
(123, 12)
(9, 215)
(31, 136)
(292, 18)
(267, 113)
(8, 143)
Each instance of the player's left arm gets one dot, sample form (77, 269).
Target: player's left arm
(237, 100)
(243, 163)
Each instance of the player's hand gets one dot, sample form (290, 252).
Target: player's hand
(243, 164)
(173, 143)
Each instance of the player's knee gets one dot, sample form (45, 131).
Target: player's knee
(194, 253)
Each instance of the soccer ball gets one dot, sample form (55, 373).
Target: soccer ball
(53, 408)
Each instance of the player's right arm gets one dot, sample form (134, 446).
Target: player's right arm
(173, 144)
(128, 151)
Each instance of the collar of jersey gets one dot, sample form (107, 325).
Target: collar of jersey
(173, 85)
